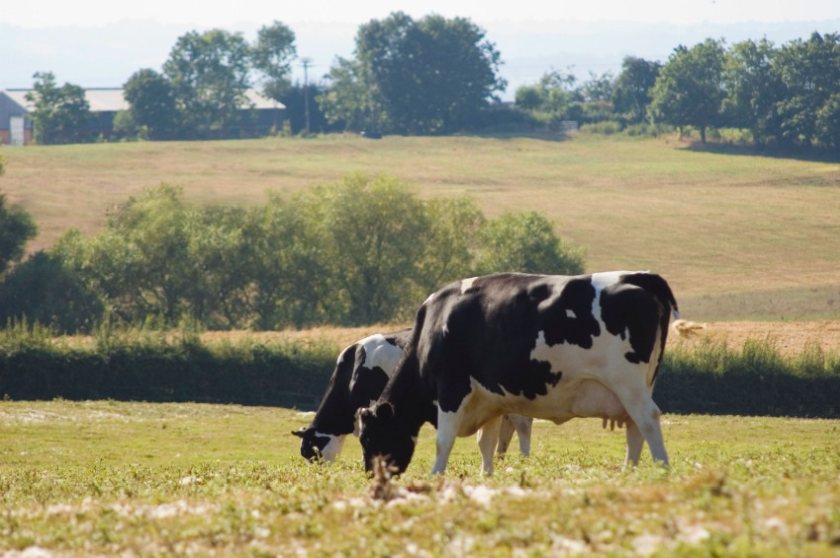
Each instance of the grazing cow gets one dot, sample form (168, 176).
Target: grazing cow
(551, 347)
(359, 377)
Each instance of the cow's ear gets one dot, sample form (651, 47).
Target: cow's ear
(299, 433)
(364, 413)
(384, 410)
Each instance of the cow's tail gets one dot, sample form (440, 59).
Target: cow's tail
(661, 290)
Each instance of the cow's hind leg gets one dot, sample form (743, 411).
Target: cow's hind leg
(635, 441)
(506, 430)
(447, 430)
(488, 435)
(523, 431)
(645, 414)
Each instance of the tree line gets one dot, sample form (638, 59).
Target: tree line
(362, 251)
(437, 75)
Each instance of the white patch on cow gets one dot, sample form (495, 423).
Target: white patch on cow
(570, 313)
(379, 352)
(466, 284)
(333, 447)
(447, 430)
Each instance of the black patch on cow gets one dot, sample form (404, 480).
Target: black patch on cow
(628, 309)
(490, 332)
(566, 317)
(368, 384)
(660, 288)
(335, 412)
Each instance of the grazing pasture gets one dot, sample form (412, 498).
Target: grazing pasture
(109, 478)
(739, 236)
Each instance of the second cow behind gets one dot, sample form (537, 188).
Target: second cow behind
(359, 377)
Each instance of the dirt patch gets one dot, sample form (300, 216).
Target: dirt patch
(788, 337)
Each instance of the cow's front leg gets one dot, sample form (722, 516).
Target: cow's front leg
(488, 436)
(447, 430)
(523, 427)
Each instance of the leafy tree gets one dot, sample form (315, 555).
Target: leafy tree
(209, 76)
(433, 75)
(525, 242)
(272, 54)
(553, 98)
(810, 72)
(754, 89)
(125, 127)
(16, 229)
(597, 87)
(288, 266)
(351, 100)
(61, 114)
(43, 289)
(372, 230)
(632, 88)
(828, 123)
(452, 239)
(152, 100)
(689, 89)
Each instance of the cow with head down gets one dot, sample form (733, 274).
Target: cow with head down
(551, 347)
(360, 375)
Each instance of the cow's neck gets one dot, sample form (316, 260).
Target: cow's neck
(335, 414)
(410, 397)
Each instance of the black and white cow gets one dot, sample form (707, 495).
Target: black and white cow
(552, 347)
(360, 375)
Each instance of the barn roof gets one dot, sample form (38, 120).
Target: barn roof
(110, 99)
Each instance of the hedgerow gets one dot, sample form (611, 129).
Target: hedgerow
(755, 379)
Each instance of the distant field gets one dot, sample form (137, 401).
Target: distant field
(108, 478)
(738, 236)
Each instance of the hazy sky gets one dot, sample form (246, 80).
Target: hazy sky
(103, 42)
(230, 13)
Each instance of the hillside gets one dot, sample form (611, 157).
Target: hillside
(739, 236)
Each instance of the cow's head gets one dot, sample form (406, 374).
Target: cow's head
(383, 434)
(315, 446)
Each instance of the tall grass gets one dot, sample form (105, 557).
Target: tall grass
(150, 365)
(753, 379)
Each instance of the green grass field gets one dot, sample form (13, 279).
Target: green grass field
(108, 478)
(739, 236)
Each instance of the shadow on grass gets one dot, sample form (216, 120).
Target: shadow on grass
(812, 154)
(520, 134)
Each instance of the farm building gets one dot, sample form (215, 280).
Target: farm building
(259, 115)
(15, 124)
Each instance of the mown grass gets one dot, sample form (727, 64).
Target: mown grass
(739, 236)
(187, 479)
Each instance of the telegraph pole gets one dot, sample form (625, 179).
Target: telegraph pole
(306, 62)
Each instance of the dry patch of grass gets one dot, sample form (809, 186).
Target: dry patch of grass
(739, 236)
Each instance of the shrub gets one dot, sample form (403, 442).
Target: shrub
(607, 127)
